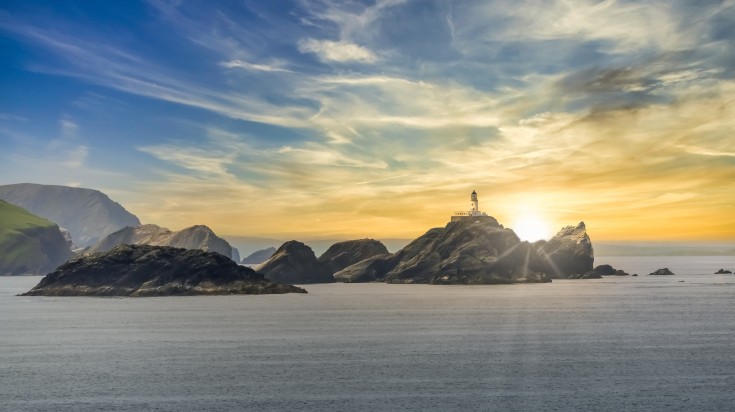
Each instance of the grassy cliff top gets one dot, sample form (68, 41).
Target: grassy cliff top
(16, 218)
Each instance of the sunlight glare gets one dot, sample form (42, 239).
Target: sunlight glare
(531, 228)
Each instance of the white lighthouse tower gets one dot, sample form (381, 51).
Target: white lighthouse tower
(473, 213)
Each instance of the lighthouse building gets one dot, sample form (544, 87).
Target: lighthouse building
(474, 211)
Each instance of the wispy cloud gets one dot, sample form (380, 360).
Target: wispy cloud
(240, 64)
(333, 51)
(380, 115)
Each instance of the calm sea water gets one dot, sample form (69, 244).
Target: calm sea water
(635, 343)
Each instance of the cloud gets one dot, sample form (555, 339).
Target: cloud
(340, 52)
(69, 128)
(240, 64)
(597, 110)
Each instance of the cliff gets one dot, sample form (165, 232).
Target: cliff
(478, 251)
(29, 244)
(144, 270)
(89, 215)
(568, 254)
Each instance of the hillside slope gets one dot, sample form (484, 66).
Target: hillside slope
(29, 245)
(89, 215)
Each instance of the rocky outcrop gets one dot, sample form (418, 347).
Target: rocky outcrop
(369, 270)
(723, 272)
(200, 237)
(662, 272)
(29, 244)
(294, 262)
(89, 215)
(259, 256)
(143, 270)
(479, 251)
(476, 251)
(599, 271)
(569, 254)
(343, 254)
(194, 237)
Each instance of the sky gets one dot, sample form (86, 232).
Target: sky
(350, 119)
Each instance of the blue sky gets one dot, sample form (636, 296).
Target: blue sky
(338, 118)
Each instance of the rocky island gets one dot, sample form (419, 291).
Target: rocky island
(662, 272)
(144, 270)
(473, 248)
(294, 262)
(478, 251)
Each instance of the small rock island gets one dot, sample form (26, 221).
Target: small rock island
(662, 272)
(144, 270)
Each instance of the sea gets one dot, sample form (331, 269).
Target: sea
(645, 343)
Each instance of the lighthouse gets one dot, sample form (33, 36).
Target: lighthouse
(473, 213)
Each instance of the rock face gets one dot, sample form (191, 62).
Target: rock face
(294, 262)
(369, 270)
(343, 254)
(723, 272)
(259, 256)
(662, 272)
(195, 237)
(568, 254)
(143, 270)
(89, 215)
(478, 251)
(29, 244)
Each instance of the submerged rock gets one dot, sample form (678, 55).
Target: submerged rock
(343, 254)
(144, 270)
(294, 262)
(662, 272)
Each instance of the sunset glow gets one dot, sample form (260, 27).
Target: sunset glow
(377, 119)
(532, 228)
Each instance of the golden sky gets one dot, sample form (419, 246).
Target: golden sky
(377, 119)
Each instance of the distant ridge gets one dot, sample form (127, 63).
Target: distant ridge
(194, 237)
(87, 214)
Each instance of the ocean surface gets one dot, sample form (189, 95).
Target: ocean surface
(664, 343)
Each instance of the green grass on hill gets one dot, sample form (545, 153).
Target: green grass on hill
(16, 246)
(15, 218)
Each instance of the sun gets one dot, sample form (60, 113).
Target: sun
(531, 228)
